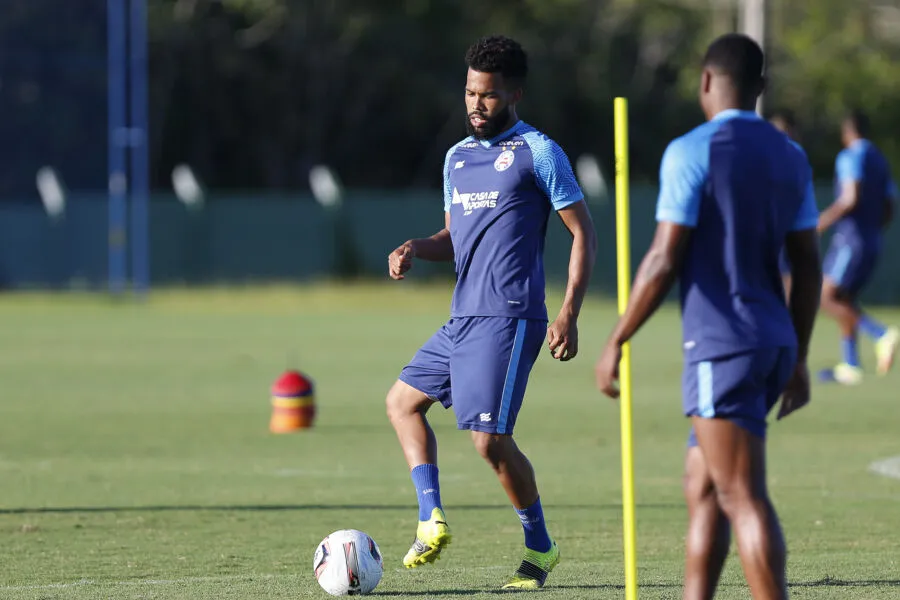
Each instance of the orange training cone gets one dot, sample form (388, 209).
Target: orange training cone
(293, 403)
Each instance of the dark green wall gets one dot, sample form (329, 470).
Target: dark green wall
(264, 237)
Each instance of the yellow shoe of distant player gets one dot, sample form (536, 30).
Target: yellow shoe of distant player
(432, 536)
(844, 374)
(533, 571)
(886, 349)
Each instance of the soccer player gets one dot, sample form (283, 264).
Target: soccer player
(734, 191)
(500, 184)
(864, 206)
(783, 121)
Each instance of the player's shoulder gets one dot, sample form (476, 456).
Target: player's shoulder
(538, 142)
(797, 152)
(468, 142)
(692, 147)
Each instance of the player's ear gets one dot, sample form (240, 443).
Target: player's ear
(705, 81)
(516, 95)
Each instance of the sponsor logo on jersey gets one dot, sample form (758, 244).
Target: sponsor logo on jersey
(473, 201)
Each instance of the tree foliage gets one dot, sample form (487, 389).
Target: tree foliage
(252, 93)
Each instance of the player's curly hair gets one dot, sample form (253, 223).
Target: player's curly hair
(499, 54)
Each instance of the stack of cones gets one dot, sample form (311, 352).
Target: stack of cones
(293, 403)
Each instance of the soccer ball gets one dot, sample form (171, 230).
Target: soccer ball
(348, 563)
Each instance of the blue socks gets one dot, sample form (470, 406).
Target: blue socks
(848, 349)
(871, 327)
(425, 478)
(536, 536)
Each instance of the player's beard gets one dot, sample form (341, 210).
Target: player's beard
(492, 127)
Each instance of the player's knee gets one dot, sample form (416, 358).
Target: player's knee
(491, 447)
(735, 498)
(402, 400)
(696, 482)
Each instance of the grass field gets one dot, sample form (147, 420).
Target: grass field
(136, 460)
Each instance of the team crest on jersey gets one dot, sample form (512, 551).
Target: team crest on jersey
(505, 160)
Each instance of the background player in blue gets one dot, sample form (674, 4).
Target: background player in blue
(863, 207)
(734, 191)
(784, 121)
(500, 184)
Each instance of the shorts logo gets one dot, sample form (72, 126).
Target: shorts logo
(485, 417)
(475, 200)
(505, 160)
(460, 164)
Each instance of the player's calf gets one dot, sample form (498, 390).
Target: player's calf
(709, 532)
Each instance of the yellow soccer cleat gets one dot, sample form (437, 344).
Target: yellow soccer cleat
(533, 571)
(886, 349)
(432, 536)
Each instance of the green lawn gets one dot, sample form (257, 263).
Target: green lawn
(136, 459)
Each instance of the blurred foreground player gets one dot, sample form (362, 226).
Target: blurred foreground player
(734, 191)
(500, 185)
(784, 121)
(864, 206)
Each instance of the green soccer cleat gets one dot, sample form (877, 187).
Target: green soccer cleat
(886, 349)
(432, 536)
(533, 571)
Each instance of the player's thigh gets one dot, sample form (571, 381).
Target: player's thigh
(848, 267)
(427, 373)
(489, 369)
(735, 459)
(733, 388)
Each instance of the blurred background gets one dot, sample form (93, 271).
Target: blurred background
(195, 142)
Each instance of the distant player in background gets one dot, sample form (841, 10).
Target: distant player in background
(733, 193)
(864, 206)
(784, 121)
(500, 185)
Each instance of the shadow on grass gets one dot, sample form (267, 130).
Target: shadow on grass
(832, 582)
(549, 588)
(826, 582)
(299, 507)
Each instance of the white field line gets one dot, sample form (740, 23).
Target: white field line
(889, 467)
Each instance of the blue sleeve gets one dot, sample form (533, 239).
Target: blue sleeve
(682, 176)
(448, 192)
(552, 171)
(891, 191)
(849, 166)
(808, 215)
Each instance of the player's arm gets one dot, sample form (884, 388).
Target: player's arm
(849, 174)
(682, 177)
(554, 176)
(577, 219)
(437, 248)
(802, 247)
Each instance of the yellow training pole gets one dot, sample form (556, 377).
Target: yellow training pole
(623, 260)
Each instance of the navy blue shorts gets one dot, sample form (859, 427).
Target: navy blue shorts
(850, 266)
(480, 367)
(742, 387)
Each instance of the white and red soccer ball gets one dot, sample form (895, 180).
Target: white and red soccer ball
(348, 563)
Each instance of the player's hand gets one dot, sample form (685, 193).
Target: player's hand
(796, 392)
(400, 261)
(562, 338)
(607, 370)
